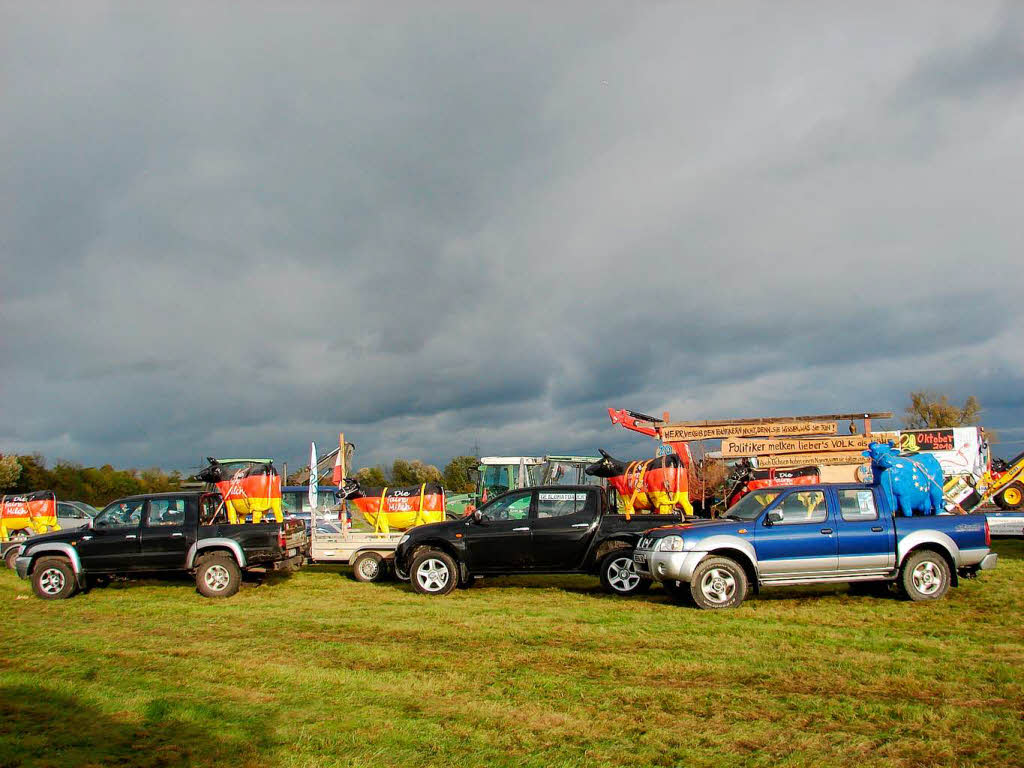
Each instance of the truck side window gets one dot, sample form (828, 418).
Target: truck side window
(120, 514)
(166, 512)
(562, 503)
(803, 507)
(857, 504)
(514, 506)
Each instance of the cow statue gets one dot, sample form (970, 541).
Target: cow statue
(399, 508)
(659, 485)
(29, 512)
(911, 483)
(252, 490)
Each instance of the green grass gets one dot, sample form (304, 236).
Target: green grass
(317, 669)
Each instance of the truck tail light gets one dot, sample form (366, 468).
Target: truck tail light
(988, 534)
(281, 541)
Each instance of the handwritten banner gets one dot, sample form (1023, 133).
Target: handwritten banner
(671, 433)
(746, 447)
(807, 459)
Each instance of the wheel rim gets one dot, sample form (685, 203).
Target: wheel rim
(1012, 496)
(51, 581)
(217, 578)
(622, 574)
(927, 577)
(433, 575)
(718, 586)
(368, 568)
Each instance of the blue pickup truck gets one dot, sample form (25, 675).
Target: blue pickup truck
(813, 534)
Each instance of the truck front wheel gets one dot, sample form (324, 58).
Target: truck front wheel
(434, 572)
(218, 576)
(619, 576)
(718, 582)
(1011, 498)
(53, 579)
(925, 576)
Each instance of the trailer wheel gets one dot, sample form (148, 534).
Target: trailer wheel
(1011, 498)
(53, 579)
(718, 582)
(218, 576)
(433, 572)
(11, 556)
(369, 567)
(925, 576)
(618, 573)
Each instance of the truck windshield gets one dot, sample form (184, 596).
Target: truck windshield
(751, 505)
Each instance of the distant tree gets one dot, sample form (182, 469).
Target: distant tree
(371, 477)
(10, 470)
(929, 410)
(414, 472)
(456, 474)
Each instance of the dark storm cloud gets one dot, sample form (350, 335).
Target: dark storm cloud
(228, 232)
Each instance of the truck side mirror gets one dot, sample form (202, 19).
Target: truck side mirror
(775, 516)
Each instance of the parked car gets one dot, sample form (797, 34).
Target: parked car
(547, 529)
(814, 534)
(166, 532)
(74, 514)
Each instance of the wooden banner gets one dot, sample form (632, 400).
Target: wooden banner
(805, 459)
(732, 447)
(674, 433)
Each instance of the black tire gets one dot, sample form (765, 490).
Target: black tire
(678, 591)
(53, 578)
(369, 567)
(718, 583)
(218, 576)
(618, 574)
(1011, 498)
(925, 576)
(433, 572)
(10, 557)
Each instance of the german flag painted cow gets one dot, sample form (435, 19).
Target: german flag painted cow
(399, 508)
(29, 512)
(254, 489)
(659, 485)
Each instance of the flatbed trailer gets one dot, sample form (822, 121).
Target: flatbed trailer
(370, 553)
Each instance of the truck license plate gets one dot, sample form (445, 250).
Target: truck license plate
(292, 552)
(639, 557)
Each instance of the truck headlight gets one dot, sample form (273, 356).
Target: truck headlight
(405, 538)
(671, 544)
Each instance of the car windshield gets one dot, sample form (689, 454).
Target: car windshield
(89, 509)
(751, 505)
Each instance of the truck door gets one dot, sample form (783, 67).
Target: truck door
(803, 542)
(867, 540)
(500, 541)
(113, 542)
(164, 542)
(562, 528)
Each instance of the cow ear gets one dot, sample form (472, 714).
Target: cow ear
(603, 452)
(892, 444)
(866, 453)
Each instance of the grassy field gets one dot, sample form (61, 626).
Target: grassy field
(317, 669)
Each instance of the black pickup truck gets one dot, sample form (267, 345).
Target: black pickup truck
(161, 532)
(547, 529)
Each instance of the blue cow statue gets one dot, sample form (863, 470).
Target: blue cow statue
(912, 483)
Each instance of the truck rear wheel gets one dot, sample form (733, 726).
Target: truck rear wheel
(10, 557)
(433, 572)
(218, 576)
(619, 576)
(925, 576)
(1011, 498)
(53, 579)
(718, 582)
(369, 567)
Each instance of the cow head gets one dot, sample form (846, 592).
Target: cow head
(349, 489)
(606, 466)
(882, 454)
(212, 473)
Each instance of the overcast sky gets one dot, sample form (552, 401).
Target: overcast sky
(232, 229)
